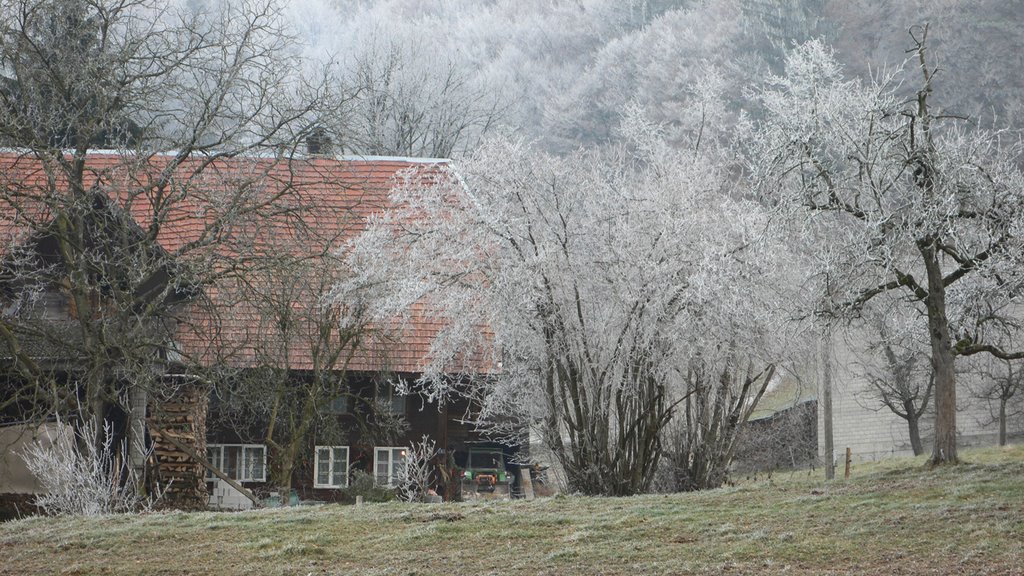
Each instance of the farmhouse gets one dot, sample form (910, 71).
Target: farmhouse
(192, 302)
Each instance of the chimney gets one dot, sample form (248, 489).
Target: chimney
(318, 143)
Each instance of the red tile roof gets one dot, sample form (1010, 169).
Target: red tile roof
(308, 207)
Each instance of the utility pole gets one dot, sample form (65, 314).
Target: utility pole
(826, 402)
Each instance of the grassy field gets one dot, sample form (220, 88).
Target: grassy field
(894, 517)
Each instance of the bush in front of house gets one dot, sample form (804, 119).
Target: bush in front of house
(365, 485)
(80, 478)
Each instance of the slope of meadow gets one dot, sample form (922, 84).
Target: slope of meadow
(894, 517)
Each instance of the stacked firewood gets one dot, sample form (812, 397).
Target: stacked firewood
(178, 430)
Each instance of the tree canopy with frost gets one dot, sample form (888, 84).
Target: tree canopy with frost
(894, 196)
(407, 99)
(598, 284)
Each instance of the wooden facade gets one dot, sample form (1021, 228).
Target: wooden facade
(447, 425)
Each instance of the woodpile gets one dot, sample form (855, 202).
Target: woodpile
(177, 427)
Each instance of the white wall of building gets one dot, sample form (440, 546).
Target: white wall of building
(14, 475)
(872, 431)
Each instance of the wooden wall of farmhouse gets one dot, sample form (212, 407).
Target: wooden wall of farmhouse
(445, 425)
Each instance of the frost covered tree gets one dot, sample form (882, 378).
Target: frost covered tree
(893, 195)
(411, 89)
(1000, 382)
(407, 99)
(591, 284)
(896, 366)
(167, 91)
(687, 68)
(569, 67)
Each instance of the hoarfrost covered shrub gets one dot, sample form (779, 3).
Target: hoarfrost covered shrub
(80, 478)
(590, 285)
(417, 473)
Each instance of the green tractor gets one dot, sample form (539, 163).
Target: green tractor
(484, 475)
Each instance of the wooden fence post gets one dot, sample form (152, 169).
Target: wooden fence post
(849, 457)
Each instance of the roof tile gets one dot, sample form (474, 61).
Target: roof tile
(343, 194)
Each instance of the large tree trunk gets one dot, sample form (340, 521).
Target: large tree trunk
(282, 466)
(139, 399)
(97, 406)
(915, 434)
(1002, 421)
(944, 449)
(912, 415)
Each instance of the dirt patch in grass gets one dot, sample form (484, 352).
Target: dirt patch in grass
(890, 518)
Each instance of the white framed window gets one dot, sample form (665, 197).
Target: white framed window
(331, 467)
(388, 462)
(241, 462)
